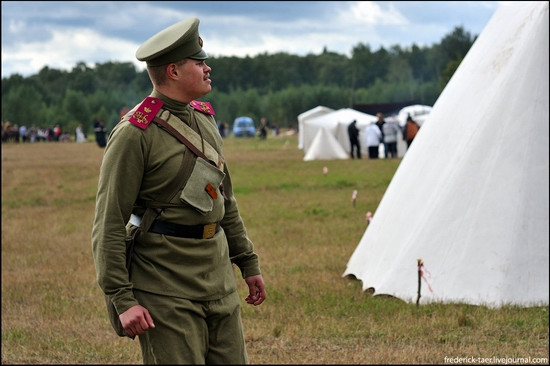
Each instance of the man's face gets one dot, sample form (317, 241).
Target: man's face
(195, 80)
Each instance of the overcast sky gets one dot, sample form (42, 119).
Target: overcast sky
(58, 34)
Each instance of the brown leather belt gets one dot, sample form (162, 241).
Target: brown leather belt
(181, 231)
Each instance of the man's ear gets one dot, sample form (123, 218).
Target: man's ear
(172, 71)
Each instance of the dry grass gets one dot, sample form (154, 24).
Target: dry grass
(304, 228)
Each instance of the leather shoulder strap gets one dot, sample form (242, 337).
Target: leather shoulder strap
(187, 135)
(182, 138)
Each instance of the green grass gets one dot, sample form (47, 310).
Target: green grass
(304, 227)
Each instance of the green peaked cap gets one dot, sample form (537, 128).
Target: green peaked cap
(178, 41)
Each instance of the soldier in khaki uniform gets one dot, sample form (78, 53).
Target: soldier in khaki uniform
(180, 294)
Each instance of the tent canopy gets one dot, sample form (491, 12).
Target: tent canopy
(336, 123)
(470, 198)
(418, 112)
(312, 113)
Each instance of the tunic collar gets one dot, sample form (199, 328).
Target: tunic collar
(178, 109)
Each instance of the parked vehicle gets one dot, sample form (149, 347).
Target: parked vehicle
(244, 127)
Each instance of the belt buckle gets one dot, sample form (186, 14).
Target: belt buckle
(209, 231)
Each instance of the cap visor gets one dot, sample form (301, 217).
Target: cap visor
(199, 56)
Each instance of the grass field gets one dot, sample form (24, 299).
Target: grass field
(305, 229)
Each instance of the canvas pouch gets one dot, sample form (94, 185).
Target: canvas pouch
(203, 183)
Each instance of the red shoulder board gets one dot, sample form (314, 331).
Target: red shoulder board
(146, 111)
(203, 107)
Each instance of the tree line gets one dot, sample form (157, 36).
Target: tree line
(279, 86)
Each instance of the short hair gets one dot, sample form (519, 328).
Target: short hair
(157, 74)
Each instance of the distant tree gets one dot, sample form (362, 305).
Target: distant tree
(57, 115)
(225, 74)
(140, 85)
(448, 73)
(23, 105)
(332, 69)
(12, 82)
(116, 73)
(53, 84)
(418, 62)
(83, 79)
(456, 45)
(369, 65)
(453, 47)
(360, 61)
(78, 110)
(399, 71)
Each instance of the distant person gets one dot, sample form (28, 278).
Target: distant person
(100, 132)
(56, 132)
(65, 137)
(355, 146)
(275, 128)
(79, 134)
(6, 131)
(222, 128)
(263, 128)
(23, 133)
(373, 137)
(41, 135)
(51, 134)
(410, 130)
(15, 133)
(380, 123)
(390, 130)
(226, 128)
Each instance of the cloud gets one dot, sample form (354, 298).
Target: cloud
(371, 13)
(71, 46)
(61, 33)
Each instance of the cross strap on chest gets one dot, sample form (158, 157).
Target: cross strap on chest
(155, 207)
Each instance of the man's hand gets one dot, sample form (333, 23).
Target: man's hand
(256, 290)
(136, 320)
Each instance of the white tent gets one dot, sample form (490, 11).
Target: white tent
(312, 113)
(336, 123)
(325, 147)
(418, 112)
(470, 198)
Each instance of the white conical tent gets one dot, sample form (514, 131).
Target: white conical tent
(325, 147)
(470, 198)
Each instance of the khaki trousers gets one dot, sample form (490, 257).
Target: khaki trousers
(193, 332)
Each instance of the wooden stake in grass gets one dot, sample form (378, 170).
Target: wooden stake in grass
(354, 197)
(419, 261)
(421, 270)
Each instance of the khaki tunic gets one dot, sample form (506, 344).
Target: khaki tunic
(137, 165)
